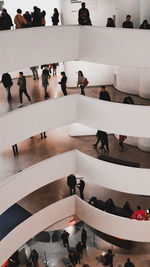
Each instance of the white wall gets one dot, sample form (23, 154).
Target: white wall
(96, 74)
(28, 5)
(144, 10)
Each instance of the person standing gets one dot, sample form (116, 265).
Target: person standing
(129, 263)
(43, 135)
(19, 20)
(121, 140)
(5, 20)
(128, 23)
(79, 249)
(81, 82)
(84, 15)
(84, 237)
(55, 17)
(36, 17)
(63, 83)
(104, 95)
(7, 82)
(71, 182)
(34, 257)
(81, 187)
(110, 23)
(54, 69)
(35, 72)
(15, 150)
(45, 83)
(22, 87)
(43, 20)
(65, 238)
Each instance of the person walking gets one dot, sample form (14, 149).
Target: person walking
(71, 182)
(7, 82)
(45, 83)
(19, 20)
(63, 83)
(22, 87)
(81, 82)
(81, 187)
(103, 137)
(65, 238)
(35, 72)
(55, 17)
(84, 15)
(84, 237)
(79, 249)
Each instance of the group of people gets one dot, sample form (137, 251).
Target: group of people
(110, 207)
(26, 20)
(75, 254)
(128, 23)
(72, 184)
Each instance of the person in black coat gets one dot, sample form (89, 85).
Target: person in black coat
(22, 87)
(84, 15)
(34, 257)
(104, 95)
(129, 263)
(65, 238)
(55, 17)
(81, 187)
(28, 18)
(73, 256)
(36, 17)
(5, 20)
(7, 82)
(109, 258)
(128, 100)
(145, 25)
(84, 237)
(79, 249)
(109, 206)
(110, 23)
(71, 182)
(127, 209)
(103, 138)
(127, 23)
(63, 83)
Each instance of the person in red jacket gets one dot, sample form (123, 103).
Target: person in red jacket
(139, 215)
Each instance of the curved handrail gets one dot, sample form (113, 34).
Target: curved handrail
(111, 176)
(130, 120)
(102, 221)
(67, 43)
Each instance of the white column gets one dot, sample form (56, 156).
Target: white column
(127, 80)
(144, 10)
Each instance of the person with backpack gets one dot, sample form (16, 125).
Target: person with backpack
(7, 82)
(84, 15)
(82, 81)
(19, 20)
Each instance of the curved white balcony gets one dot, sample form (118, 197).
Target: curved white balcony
(102, 221)
(111, 176)
(112, 46)
(18, 125)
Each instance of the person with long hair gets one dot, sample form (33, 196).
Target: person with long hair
(55, 17)
(81, 80)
